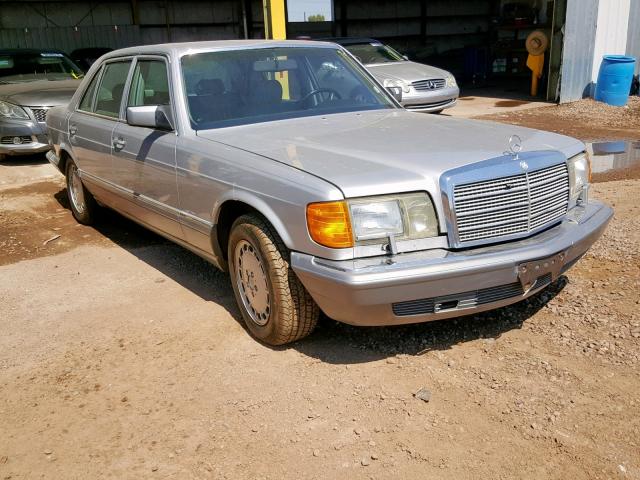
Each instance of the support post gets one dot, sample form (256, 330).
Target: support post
(343, 18)
(135, 12)
(247, 19)
(423, 22)
(275, 19)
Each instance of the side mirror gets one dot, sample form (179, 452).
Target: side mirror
(405, 57)
(151, 116)
(396, 92)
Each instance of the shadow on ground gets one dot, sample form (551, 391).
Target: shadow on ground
(173, 261)
(25, 160)
(338, 343)
(332, 342)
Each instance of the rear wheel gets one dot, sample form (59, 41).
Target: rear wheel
(83, 205)
(275, 306)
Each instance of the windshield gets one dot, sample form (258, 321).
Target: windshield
(369, 53)
(256, 85)
(20, 67)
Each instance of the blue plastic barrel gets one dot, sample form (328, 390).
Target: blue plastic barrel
(614, 79)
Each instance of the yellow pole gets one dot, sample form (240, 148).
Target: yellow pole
(275, 27)
(275, 22)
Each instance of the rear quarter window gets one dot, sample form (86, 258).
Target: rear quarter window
(86, 104)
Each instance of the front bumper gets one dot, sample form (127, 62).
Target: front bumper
(435, 284)
(430, 100)
(37, 137)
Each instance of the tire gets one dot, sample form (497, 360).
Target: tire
(83, 205)
(275, 306)
(437, 112)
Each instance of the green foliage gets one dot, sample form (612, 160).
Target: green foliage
(316, 18)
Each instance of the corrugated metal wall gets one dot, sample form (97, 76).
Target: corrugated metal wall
(633, 35)
(76, 24)
(611, 33)
(67, 39)
(579, 43)
(449, 23)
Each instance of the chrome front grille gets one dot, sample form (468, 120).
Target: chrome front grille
(432, 84)
(511, 205)
(40, 114)
(17, 140)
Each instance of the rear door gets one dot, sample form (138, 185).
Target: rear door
(145, 158)
(91, 125)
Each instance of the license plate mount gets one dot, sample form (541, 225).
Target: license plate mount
(529, 272)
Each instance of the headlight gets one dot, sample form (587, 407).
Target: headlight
(9, 110)
(579, 177)
(406, 88)
(372, 220)
(376, 219)
(451, 81)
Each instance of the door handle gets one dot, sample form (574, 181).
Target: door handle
(119, 143)
(73, 129)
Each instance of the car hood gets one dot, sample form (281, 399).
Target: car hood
(39, 93)
(384, 151)
(407, 71)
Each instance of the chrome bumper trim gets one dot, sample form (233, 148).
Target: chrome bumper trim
(431, 107)
(24, 148)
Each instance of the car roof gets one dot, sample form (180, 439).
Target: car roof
(13, 51)
(218, 45)
(350, 40)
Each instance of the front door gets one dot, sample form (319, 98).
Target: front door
(144, 159)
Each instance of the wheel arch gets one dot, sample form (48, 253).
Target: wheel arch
(64, 156)
(231, 209)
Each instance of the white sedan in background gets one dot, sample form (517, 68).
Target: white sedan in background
(424, 88)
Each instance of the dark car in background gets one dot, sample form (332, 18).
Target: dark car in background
(31, 82)
(85, 57)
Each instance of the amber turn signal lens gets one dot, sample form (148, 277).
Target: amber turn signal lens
(329, 224)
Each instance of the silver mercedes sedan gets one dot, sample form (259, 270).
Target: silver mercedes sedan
(425, 88)
(322, 195)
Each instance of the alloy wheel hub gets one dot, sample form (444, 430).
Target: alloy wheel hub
(252, 282)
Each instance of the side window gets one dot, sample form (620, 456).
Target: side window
(111, 88)
(86, 103)
(149, 85)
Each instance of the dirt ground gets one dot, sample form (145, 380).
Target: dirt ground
(587, 119)
(123, 356)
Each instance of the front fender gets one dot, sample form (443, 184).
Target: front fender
(259, 204)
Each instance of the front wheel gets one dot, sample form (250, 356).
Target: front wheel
(83, 205)
(275, 306)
